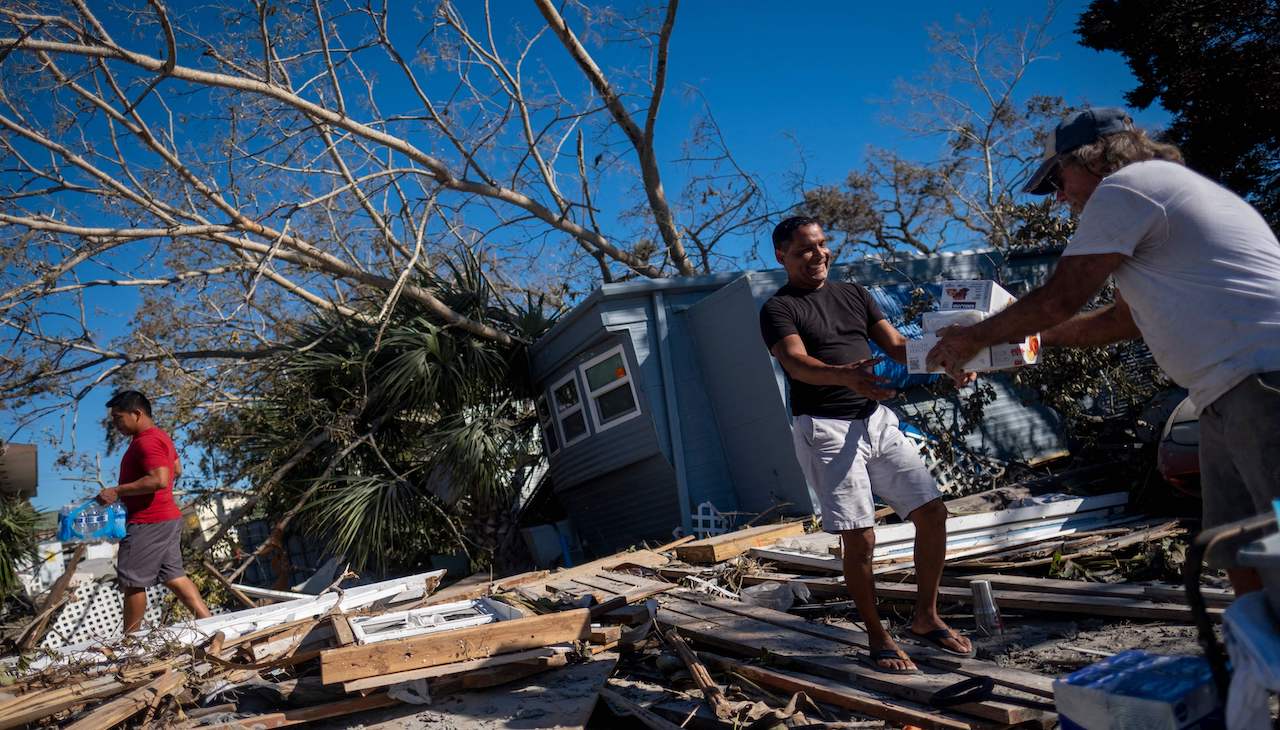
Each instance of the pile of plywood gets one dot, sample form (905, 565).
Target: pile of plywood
(600, 627)
(316, 657)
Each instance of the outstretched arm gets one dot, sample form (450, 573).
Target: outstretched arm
(857, 376)
(1074, 281)
(1102, 326)
(890, 340)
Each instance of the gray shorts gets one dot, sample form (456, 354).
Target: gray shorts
(846, 462)
(150, 553)
(1240, 456)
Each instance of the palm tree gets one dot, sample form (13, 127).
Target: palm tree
(428, 427)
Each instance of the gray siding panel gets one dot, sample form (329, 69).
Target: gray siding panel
(746, 398)
(624, 507)
(707, 474)
(623, 444)
(1010, 431)
(548, 356)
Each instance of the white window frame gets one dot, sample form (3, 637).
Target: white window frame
(559, 417)
(549, 402)
(628, 381)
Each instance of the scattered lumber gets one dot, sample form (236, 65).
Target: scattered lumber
(1051, 602)
(1024, 599)
(967, 535)
(641, 714)
(742, 636)
(310, 714)
(534, 656)
(840, 695)
(118, 710)
(732, 544)
(1021, 559)
(1216, 597)
(1028, 682)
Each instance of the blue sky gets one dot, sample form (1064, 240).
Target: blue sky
(782, 80)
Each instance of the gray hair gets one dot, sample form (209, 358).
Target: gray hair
(1114, 151)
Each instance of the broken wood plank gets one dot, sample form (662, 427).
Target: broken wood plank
(1055, 602)
(674, 544)
(849, 698)
(744, 636)
(562, 699)
(446, 647)
(642, 714)
(469, 588)
(606, 635)
(232, 588)
(309, 714)
(342, 633)
(711, 691)
(122, 708)
(1029, 682)
(40, 704)
(494, 676)
(1134, 591)
(444, 670)
(732, 544)
(1023, 559)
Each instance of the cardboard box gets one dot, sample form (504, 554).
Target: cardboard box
(1015, 354)
(918, 350)
(967, 303)
(979, 295)
(931, 322)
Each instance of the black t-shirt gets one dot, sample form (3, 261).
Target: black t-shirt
(833, 321)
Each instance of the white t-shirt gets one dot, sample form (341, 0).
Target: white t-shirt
(1202, 277)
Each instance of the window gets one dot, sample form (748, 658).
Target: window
(610, 390)
(548, 427)
(568, 410)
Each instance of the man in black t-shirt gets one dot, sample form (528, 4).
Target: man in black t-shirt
(847, 444)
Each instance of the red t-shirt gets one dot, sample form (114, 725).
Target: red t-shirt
(149, 450)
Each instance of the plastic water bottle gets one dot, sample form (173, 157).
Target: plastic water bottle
(90, 520)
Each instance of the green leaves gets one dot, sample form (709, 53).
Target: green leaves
(18, 522)
(429, 425)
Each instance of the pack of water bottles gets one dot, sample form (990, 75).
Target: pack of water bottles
(91, 522)
(1135, 690)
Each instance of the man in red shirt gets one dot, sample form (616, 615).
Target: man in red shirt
(151, 551)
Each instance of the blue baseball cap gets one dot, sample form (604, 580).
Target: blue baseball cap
(1074, 132)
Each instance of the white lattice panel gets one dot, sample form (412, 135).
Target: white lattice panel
(97, 612)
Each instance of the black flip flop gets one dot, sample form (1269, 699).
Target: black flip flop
(979, 689)
(935, 638)
(875, 656)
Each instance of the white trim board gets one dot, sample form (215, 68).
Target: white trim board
(964, 523)
(238, 623)
(888, 536)
(964, 547)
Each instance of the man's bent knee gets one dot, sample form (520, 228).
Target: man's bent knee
(858, 543)
(930, 514)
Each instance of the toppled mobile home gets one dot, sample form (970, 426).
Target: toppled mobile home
(658, 396)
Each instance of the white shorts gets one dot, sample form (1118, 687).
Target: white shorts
(846, 462)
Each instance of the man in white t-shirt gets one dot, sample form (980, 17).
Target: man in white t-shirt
(1197, 273)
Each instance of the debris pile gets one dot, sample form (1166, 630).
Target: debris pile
(670, 635)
